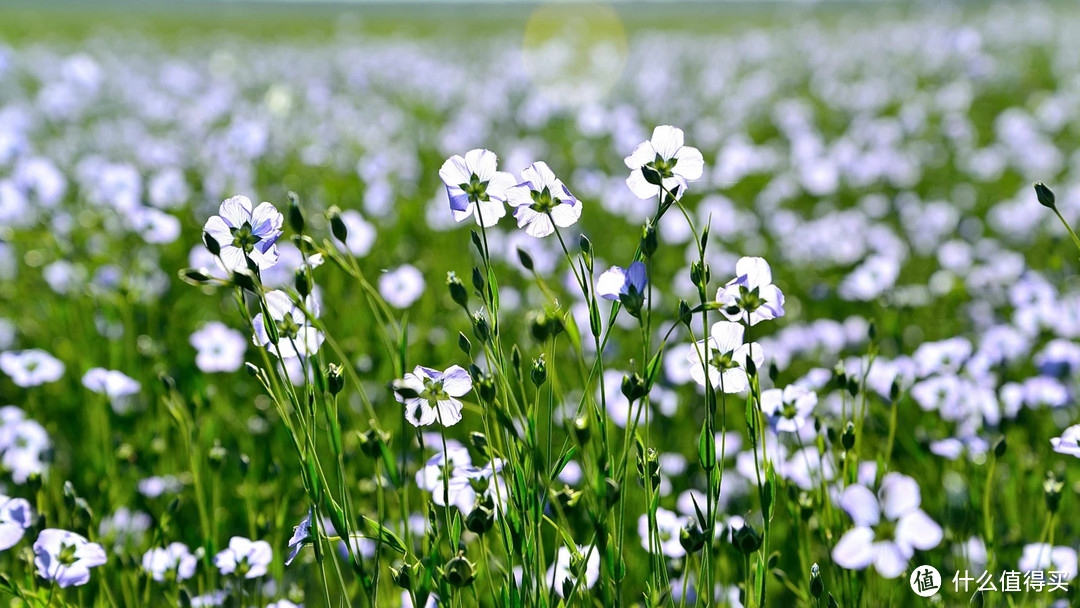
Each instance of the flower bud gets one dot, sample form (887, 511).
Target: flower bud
(691, 537)
(458, 293)
(252, 369)
(538, 325)
(459, 571)
(371, 443)
(481, 329)
(402, 576)
(746, 539)
(296, 216)
(479, 442)
(217, 455)
(337, 225)
(539, 371)
(1052, 488)
(817, 585)
(211, 244)
(195, 276)
(848, 438)
(480, 519)
(633, 387)
(335, 378)
(525, 259)
(1045, 195)
(649, 241)
(478, 279)
(581, 429)
(464, 344)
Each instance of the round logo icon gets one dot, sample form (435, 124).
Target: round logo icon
(925, 581)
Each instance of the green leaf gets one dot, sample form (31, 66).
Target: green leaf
(706, 449)
(377, 531)
(563, 461)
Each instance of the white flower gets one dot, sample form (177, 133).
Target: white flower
(32, 367)
(242, 232)
(726, 356)
(66, 557)
(174, 562)
(788, 409)
(567, 566)
(296, 336)
(751, 293)
(664, 153)
(1041, 556)
(15, 517)
(111, 383)
(542, 202)
(24, 445)
(669, 525)
(1069, 442)
(401, 286)
(898, 501)
(221, 349)
(476, 187)
(435, 395)
(245, 558)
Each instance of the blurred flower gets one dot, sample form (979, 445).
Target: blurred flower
(665, 154)
(66, 558)
(751, 296)
(476, 187)
(221, 349)
(1069, 442)
(361, 234)
(898, 501)
(243, 233)
(1041, 556)
(153, 487)
(788, 409)
(542, 202)
(115, 385)
(432, 395)
(124, 528)
(570, 566)
(401, 286)
(32, 367)
(244, 558)
(24, 445)
(669, 525)
(172, 563)
(15, 517)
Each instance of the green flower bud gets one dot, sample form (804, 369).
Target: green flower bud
(1045, 195)
(459, 571)
(337, 225)
(458, 293)
(746, 539)
(296, 216)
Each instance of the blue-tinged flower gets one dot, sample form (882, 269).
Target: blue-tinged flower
(541, 202)
(1043, 556)
(401, 286)
(244, 557)
(430, 395)
(869, 542)
(15, 517)
(66, 558)
(172, 563)
(475, 186)
(32, 367)
(665, 154)
(245, 233)
(571, 565)
(625, 285)
(1069, 442)
(751, 295)
(301, 536)
(24, 445)
(296, 336)
(452, 479)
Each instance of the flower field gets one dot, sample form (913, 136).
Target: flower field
(567, 305)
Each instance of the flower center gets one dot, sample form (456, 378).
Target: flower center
(749, 299)
(543, 202)
(244, 238)
(663, 166)
(288, 327)
(66, 556)
(723, 361)
(475, 189)
(789, 411)
(242, 566)
(433, 391)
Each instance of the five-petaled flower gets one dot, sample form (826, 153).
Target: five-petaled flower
(887, 542)
(66, 558)
(751, 296)
(541, 202)
(243, 233)
(296, 337)
(430, 395)
(475, 186)
(789, 408)
(172, 563)
(244, 558)
(15, 517)
(668, 159)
